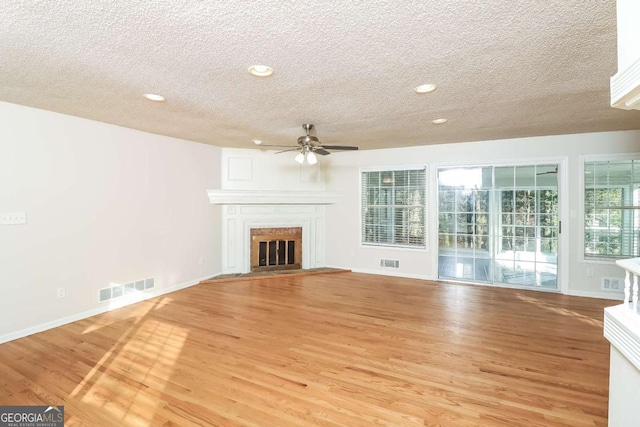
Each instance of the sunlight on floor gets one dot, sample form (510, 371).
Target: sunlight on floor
(562, 311)
(146, 351)
(141, 311)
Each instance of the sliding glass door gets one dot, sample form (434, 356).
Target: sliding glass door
(499, 225)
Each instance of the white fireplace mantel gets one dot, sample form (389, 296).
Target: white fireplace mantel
(271, 197)
(243, 210)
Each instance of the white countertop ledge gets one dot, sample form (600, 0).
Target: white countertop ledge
(622, 329)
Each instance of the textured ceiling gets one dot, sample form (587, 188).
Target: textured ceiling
(503, 69)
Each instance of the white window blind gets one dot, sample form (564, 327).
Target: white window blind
(612, 209)
(393, 208)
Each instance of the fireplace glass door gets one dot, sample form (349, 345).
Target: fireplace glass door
(276, 248)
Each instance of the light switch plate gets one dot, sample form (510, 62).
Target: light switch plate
(13, 218)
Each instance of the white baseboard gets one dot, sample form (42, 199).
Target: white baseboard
(618, 296)
(103, 308)
(388, 273)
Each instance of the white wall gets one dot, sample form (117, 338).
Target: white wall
(105, 204)
(343, 222)
(255, 169)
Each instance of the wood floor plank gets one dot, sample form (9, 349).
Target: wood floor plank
(332, 350)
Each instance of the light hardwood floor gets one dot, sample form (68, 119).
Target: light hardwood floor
(340, 349)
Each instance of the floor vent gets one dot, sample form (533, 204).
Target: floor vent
(612, 284)
(390, 263)
(117, 291)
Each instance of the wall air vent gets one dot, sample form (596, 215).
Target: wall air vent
(117, 291)
(612, 284)
(105, 294)
(389, 263)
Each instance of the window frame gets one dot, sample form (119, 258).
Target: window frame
(495, 219)
(538, 226)
(425, 202)
(582, 212)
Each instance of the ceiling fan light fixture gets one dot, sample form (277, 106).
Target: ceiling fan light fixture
(261, 70)
(311, 158)
(300, 158)
(425, 88)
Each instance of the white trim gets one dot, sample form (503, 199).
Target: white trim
(622, 329)
(271, 197)
(605, 157)
(388, 272)
(433, 219)
(104, 307)
(422, 166)
(601, 261)
(616, 296)
(248, 170)
(582, 159)
(413, 167)
(564, 237)
(563, 212)
(394, 247)
(504, 286)
(530, 161)
(237, 221)
(625, 88)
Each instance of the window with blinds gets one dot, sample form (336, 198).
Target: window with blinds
(393, 208)
(612, 209)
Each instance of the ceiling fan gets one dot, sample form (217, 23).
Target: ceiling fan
(309, 146)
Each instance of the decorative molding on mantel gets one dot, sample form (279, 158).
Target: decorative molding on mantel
(271, 197)
(622, 329)
(625, 88)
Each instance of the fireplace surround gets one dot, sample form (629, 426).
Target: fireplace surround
(244, 210)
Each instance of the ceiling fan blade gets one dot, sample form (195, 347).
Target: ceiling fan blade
(285, 151)
(321, 151)
(339, 147)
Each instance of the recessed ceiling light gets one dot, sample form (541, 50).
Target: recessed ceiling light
(260, 70)
(257, 141)
(439, 121)
(154, 97)
(425, 88)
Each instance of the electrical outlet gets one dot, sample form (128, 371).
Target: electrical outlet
(13, 218)
(62, 292)
(201, 260)
(589, 272)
